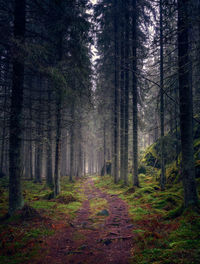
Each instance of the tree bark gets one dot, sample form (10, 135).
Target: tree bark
(80, 152)
(15, 166)
(122, 90)
(116, 97)
(39, 148)
(127, 47)
(58, 114)
(72, 144)
(185, 100)
(134, 93)
(49, 170)
(58, 146)
(30, 133)
(162, 177)
(104, 148)
(3, 128)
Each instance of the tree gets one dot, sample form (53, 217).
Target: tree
(126, 94)
(135, 93)
(116, 96)
(185, 101)
(162, 129)
(16, 168)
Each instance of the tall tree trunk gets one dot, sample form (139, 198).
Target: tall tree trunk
(185, 99)
(3, 130)
(104, 148)
(134, 92)
(58, 145)
(176, 124)
(80, 152)
(30, 133)
(84, 163)
(126, 101)
(39, 149)
(15, 167)
(72, 144)
(122, 90)
(162, 177)
(58, 116)
(49, 170)
(116, 97)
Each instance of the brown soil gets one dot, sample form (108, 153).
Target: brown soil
(88, 240)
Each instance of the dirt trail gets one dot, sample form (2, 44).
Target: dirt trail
(88, 241)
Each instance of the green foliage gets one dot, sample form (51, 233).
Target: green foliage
(37, 233)
(138, 213)
(172, 173)
(142, 169)
(151, 157)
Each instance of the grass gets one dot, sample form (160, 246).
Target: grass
(20, 238)
(163, 232)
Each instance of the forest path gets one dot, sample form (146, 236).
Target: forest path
(100, 233)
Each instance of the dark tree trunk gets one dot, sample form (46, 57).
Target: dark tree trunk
(176, 119)
(116, 98)
(30, 134)
(80, 153)
(49, 169)
(104, 148)
(162, 177)
(126, 101)
(3, 130)
(134, 93)
(39, 145)
(58, 110)
(122, 96)
(58, 145)
(185, 98)
(72, 144)
(15, 166)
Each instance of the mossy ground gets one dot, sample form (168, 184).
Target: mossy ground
(163, 232)
(21, 237)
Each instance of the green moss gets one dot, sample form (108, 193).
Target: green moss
(174, 213)
(36, 233)
(164, 199)
(26, 235)
(66, 198)
(172, 173)
(98, 204)
(138, 212)
(185, 244)
(146, 190)
(42, 204)
(151, 157)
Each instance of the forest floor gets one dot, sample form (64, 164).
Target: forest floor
(100, 233)
(96, 221)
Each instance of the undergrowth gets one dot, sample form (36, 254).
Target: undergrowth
(22, 234)
(163, 232)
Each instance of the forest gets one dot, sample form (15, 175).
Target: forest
(99, 131)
